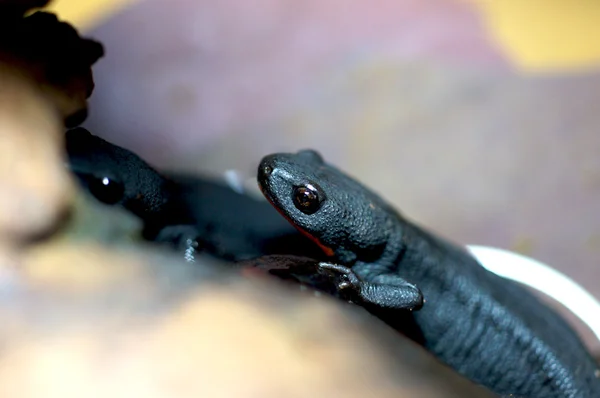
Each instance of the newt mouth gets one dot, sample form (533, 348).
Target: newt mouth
(327, 250)
(266, 194)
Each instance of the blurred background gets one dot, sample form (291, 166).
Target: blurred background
(477, 119)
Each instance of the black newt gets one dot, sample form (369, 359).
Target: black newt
(489, 329)
(186, 212)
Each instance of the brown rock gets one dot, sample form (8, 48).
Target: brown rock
(53, 55)
(34, 183)
(91, 322)
(45, 80)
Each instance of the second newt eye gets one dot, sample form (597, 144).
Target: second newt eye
(106, 190)
(306, 199)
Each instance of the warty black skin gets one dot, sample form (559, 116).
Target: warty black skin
(489, 329)
(187, 212)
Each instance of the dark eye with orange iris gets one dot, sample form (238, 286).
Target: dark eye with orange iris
(306, 199)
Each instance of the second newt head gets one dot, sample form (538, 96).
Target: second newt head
(346, 219)
(114, 175)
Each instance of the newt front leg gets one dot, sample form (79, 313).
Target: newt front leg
(394, 293)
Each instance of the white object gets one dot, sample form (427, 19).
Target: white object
(234, 180)
(544, 278)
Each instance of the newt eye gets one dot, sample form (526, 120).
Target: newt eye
(106, 190)
(306, 199)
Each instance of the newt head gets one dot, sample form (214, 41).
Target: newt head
(114, 175)
(346, 219)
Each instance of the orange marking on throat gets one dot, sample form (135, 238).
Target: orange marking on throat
(327, 250)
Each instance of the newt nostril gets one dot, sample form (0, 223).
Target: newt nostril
(267, 170)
